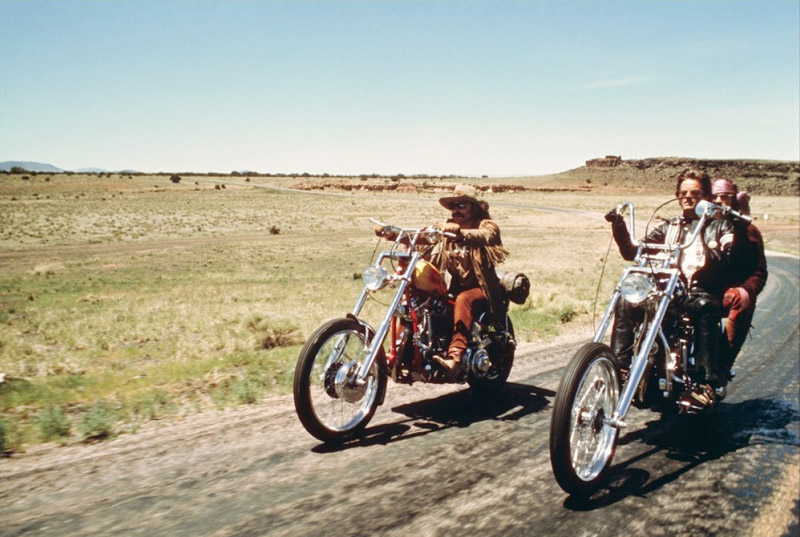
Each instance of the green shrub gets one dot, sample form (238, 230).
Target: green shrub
(153, 405)
(53, 422)
(567, 314)
(98, 421)
(246, 391)
(271, 332)
(10, 436)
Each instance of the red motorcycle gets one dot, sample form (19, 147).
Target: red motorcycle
(341, 373)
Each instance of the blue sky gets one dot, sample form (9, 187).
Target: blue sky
(436, 87)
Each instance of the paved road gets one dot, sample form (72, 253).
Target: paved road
(437, 462)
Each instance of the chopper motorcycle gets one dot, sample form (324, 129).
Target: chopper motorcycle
(343, 369)
(594, 394)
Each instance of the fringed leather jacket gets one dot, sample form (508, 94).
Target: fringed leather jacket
(470, 259)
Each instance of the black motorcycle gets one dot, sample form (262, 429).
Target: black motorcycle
(594, 394)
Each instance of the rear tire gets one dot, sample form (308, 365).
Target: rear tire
(581, 445)
(502, 361)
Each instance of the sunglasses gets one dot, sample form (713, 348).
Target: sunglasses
(722, 196)
(459, 205)
(690, 194)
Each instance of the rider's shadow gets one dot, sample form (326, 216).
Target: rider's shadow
(692, 441)
(457, 409)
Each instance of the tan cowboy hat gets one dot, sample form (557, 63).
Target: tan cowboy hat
(463, 193)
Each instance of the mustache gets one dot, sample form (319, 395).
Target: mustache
(458, 214)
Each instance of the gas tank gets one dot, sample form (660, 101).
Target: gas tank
(428, 279)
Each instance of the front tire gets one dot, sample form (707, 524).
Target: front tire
(330, 405)
(581, 444)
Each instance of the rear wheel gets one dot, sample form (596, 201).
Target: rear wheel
(329, 401)
(581, 443)
(501, 354)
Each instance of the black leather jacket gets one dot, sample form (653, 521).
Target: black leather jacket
(719, 245)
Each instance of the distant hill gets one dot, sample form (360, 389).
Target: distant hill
(49, 168)
(29, 166)
(781, 178)
(767, 177)
(91, 170)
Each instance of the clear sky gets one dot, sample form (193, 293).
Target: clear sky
(435, 87)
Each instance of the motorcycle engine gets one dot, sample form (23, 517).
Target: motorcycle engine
(441, 324)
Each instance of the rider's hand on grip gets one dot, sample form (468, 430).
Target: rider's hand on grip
(449, 227)
(386, 232)
(452, 227)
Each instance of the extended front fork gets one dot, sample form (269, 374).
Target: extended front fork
(639, 363)
(380, 334)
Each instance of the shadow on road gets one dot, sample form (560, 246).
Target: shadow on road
(458, 409)
(682, 443)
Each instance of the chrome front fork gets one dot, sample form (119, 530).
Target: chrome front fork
(383, 328)
(639, 363)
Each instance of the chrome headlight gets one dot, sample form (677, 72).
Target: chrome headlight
(635, 288)
(375, 277)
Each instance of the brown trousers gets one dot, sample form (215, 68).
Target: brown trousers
(469, 304)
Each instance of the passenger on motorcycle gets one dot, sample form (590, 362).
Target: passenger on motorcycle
(704, 266)
(470, 260)
(748, 273)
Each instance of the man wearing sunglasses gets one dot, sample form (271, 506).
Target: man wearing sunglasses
(748, 273)
(704, 266)
(470, 259)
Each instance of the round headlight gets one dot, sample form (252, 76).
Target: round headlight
(635, 288)
(375, 277)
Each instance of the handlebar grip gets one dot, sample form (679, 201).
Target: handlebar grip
(706, 207)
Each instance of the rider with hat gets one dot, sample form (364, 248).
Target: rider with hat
(469, 259)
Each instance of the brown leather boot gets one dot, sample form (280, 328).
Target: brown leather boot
(451, 365)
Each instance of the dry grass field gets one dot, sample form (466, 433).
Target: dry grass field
(130, 298)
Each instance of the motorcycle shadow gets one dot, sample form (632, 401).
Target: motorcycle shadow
(682, 443)
(457, 409)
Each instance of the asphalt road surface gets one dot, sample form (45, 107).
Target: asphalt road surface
(436, 461)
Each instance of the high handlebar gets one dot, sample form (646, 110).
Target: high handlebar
(704, 210)
(712, 209)
(631, 213)
(427, 230)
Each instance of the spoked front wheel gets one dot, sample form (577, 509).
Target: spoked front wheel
(330, 401)
(581, 443)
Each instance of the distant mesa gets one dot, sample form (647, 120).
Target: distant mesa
(609, 161)
(763, 177)
(29, 166)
